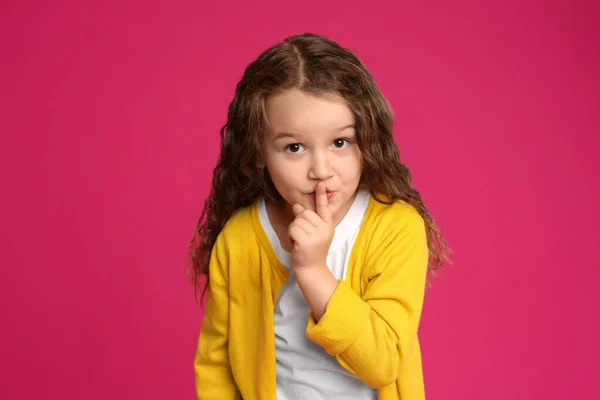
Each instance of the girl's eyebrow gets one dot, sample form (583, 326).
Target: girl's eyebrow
(343, 128)
(284, 135)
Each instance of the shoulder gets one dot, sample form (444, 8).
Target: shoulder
(396, 217)
(240, 219)
(239, 245)
(238, 227)
(394, 234)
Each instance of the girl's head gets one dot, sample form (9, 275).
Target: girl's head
(306, 110)
(311, 138)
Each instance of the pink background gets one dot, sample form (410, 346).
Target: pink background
(109, 121)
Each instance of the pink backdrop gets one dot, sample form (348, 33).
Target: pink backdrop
(109, 119)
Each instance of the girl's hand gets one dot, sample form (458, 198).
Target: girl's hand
(311, 233)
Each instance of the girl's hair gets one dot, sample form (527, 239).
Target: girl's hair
(318, 65)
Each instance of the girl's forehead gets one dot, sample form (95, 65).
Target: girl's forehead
(296, 111)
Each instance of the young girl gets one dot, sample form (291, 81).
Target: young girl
(313, 241)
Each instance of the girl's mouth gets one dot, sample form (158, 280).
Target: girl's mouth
(314, 196)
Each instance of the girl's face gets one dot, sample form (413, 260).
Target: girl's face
(311, 138)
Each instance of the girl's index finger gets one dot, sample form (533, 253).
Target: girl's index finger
(322, 203)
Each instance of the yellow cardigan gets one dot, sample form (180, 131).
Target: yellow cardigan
(370, 324)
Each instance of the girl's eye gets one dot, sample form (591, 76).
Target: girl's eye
(340, 143)
(294, 148)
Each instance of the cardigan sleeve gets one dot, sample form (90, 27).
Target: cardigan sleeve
(373, 336)
(214, 378)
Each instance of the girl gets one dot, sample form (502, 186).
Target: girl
(314, 244)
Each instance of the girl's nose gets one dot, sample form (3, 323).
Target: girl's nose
(320, 168)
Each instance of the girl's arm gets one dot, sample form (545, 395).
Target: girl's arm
(373, 336)
(214, 380)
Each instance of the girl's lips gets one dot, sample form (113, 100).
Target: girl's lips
(329, 195)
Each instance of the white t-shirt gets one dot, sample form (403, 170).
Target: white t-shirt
(304, 369)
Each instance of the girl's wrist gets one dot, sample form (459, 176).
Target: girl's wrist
(311, 268)
(317, 285)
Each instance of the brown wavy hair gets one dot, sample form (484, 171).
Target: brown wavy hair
(318, 65)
